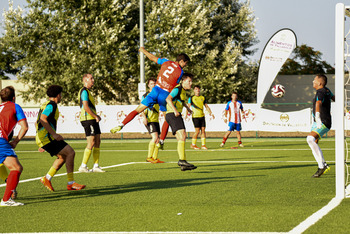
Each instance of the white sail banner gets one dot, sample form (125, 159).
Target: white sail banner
(276, 52)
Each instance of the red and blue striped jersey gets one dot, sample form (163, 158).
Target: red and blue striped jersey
(234, 111)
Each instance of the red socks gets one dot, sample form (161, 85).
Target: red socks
(164, 132)
(224, 140)
(130, 117)
(12, 181)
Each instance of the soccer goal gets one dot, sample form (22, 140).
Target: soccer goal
(342, 104)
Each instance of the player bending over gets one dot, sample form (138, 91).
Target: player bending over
(233, 108)
(321, 112)
(168, 77)
(10, 114)
(175, 103)
(151, 121)
(53, 143)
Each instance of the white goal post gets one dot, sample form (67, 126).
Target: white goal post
(341, 103)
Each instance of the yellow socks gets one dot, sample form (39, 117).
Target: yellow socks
(70, 178)
(96, 155)
(155, 153)
(51, 173)
(181, 150)
(87, 154)
(203, 141)
(3, 172)
(194, 141)
(151, 148)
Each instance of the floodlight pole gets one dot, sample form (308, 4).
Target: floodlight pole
(142, 85)
(339, 103)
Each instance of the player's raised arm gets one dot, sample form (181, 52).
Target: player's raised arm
(148, 54)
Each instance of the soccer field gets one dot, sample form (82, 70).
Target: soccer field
(264, 187)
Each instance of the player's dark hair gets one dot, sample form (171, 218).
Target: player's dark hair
(196, 86)
(7, 93)
(151, 79)
(183, 57)
(323, 78)
(185, 76)
(54, 90)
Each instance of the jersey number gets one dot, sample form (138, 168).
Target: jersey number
(166, 73)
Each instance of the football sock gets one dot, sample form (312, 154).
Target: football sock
(130, 117)
(3, 172)
(96, 155)
(239, 142)
(203, 141)
(151, 148)
(87, 154)
(165, 129)
(51, 173)
(12, 182)
(316, 151)
(194, 141)
(181, 150)
(155, 153)
(70, 178)
(224, 140)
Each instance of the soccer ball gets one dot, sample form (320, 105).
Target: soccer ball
(278, 91)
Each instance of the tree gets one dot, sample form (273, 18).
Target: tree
(305, 60)
(6, 58)
(61, 40)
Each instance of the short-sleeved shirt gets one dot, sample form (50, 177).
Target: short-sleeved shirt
(325, 96)
(234, 108)
(197, 104)
(169, 75)
(10, 114)
(49, 109)
(85, 95)
(152, 113)
(179, 96)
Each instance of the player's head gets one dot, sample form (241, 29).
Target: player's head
(55, 91)
(197, 90)
(234, 96)
(187, 81)
(8, 94)
(88, 80)
(151, 83)
(182, 59)
(319, 81)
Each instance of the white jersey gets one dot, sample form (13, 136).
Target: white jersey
(234, 111)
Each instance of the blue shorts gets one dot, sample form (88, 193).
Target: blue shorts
(232, 126)
(320, 131)
(157, 95)
(5, 150)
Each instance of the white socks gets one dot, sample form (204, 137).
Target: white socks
(316, 151)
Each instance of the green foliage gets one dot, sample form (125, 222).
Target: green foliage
(61, 40)
(305, 61)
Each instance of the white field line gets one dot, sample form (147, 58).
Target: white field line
(213, 150)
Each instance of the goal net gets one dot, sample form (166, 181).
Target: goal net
(342, 104)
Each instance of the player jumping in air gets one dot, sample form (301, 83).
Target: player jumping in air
(321, 112)
(10, 115)
(169, 76)
(233, 108)
(53, 143)
(198, 102)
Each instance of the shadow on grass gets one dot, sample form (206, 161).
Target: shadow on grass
(127, 188)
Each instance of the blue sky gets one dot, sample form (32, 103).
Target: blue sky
(312, 21)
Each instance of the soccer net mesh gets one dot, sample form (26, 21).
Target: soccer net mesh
(347, 97)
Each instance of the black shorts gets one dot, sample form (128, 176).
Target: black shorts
(153, 127)
(91, 127)
(54, 147)
(199, 122)
(176, 123)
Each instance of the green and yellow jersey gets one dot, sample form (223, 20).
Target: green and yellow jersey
(152, 114)
(179, 97)
(85, 95)
(197, 104)
(49, 109)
